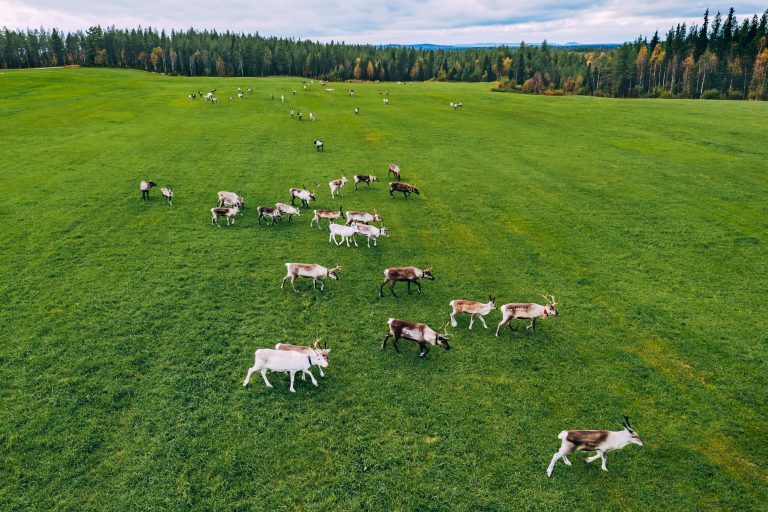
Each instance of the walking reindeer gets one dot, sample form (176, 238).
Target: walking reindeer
(526, 311)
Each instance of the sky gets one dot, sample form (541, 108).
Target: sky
(380, 22)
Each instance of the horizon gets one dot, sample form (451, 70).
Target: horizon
(446, 24)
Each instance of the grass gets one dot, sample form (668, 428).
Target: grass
(127, 327)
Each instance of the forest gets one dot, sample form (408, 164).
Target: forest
(723, 58)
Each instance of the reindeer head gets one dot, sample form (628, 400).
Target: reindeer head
(383, 231)
(374, 178)
(441, 339)
(151, 184)
(376, 216)
(492, 301)
(549, 309)
(343, 180)
(633, 437)
(323, 352)
(332, 273)
(416, 190)
(427, 274)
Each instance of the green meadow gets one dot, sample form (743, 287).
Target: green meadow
(127, 327)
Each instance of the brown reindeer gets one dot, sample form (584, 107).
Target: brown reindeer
(420, 333)
(408, 274)
(405, 188)
(526, 311)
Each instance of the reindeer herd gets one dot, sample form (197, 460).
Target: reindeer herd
(292, 359)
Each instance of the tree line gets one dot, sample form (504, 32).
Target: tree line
(721, 58)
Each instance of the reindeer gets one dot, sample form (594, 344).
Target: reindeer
(318, 143)
(309, 271)
(395, 170)
(331, 215)
(526, 311)
(229, 213)
(144, 186)
(600, 441)
(303, 194)
(420, 333)
(307, 350)
(336, 185)
(473, 309)
(362, 217)
(167, 194)
(364, 178)
(286, 209)
(268, 211)
(408, 274)
(405, 188)
(372, 232)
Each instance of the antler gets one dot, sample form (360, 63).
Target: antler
(626, 422)
(445, 330)
(550, 298)
(316, 343)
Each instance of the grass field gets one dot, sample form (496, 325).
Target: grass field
(128, 326)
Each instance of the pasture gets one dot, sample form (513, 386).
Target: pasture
(128, 326)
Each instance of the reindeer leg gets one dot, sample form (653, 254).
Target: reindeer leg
(503, 321)
(381, 288)
(293, 278)
(453, 319)
(409, 287)
(419, 284)
(293, 375)
(311, 377)
(424, 350)
(594, 457)
(471, 321)
(602, 456)
(264, 376)
(555, 457)
(248, 377)
(320, 369)
(482, 319)
(392, 288)
(384, 343)
(314, 284)
(565, 460)
(283, 282)
(394, 344)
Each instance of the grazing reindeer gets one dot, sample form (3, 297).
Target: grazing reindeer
(288, 210)
(144, 186)
(372, 232)
(167, 194)
(473, 309)
(307, 350)
(526, 311)
(365, 178)
(357, 110)
(313, 116)
(331, 215)
(303, 194)
(394, 169)
(600, 441)
(268, 211)
(363, 217)
(230, 199)
(229, 213)
(318, 143)
(408, 274)
(405, 188)
(336, 185)
(309, 271)
(420, 333)
(285, 361)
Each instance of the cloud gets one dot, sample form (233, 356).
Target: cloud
(362, 21)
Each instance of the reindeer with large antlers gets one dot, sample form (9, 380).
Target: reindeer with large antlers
(600, 441)
(420, 333)
(526, 311)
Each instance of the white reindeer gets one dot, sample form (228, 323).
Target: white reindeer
(167, 194)
(285, 361)
(310, 271)
(372, 232)
(345, 232)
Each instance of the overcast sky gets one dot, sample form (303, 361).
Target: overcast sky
(366, 21)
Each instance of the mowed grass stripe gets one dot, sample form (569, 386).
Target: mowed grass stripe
(130, 325)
